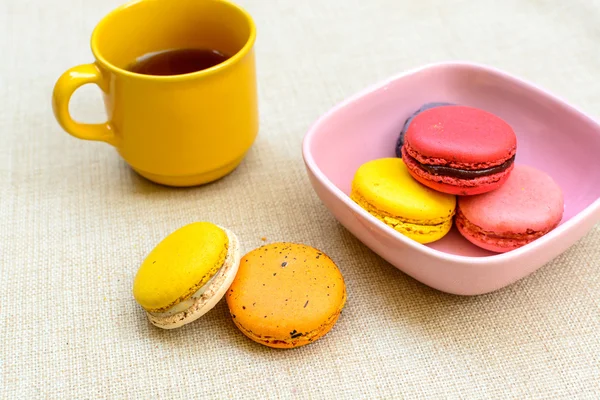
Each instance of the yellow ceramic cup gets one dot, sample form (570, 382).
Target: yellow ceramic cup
(179, 130)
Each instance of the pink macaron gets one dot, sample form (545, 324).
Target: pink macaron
(527, 206)
(459, 150)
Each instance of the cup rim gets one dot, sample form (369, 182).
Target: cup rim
(173, 78)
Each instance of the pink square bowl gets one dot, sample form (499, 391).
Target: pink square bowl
(552, 136)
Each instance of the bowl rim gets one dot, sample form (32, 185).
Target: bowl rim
(485, 260)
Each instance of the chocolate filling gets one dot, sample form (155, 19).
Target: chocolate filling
(464, 173)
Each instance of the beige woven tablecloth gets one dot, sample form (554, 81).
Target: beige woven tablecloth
(75, 221)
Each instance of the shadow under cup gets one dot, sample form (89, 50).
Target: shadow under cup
(180, 130)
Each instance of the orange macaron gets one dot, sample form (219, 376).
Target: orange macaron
(286, 295)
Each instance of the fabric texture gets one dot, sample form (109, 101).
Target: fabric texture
(76, 222)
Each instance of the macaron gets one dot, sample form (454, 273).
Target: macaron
(385, 189)
(186, 274)
(529, 205)
(400, 141)
(286, 295)
(459, 150)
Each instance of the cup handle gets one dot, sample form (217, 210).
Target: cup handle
(64, 88)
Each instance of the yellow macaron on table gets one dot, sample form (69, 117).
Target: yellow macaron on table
(187, 274)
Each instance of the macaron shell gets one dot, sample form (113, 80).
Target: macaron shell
(456, 189)
(462, 134)
(286, 295)
(387, 185)
(530, 200)
(529, 205)
(179, 265)
(456, 186)
(424, 107)
(290, 343)
(419, 232)
(497, 245)
(213, 294)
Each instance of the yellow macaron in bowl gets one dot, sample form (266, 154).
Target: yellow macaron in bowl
(187, 274)
(385, 189)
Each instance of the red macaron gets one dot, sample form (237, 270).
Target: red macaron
(459, 150)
